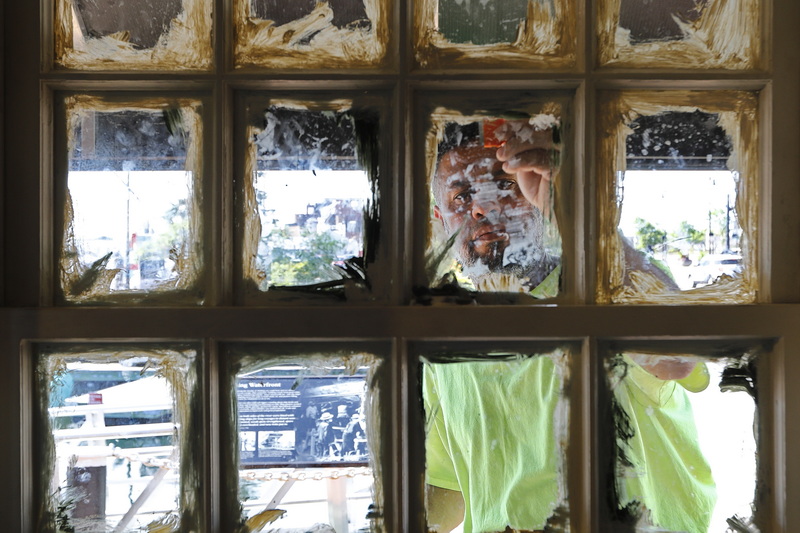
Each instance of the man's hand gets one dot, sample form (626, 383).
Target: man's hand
(664, 367)
(445, 509)
(527, 152)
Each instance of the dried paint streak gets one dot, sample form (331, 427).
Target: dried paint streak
(186, 45)
(322, 364)
(546, 39)
(632, 516)
(311, 41)
(91, 283)
(741, 375)
(738, 117)
(726, 35)
(559, 519)
(252, 219)
(178, 366)
(738, 524)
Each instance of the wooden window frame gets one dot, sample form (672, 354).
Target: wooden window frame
(28, 314)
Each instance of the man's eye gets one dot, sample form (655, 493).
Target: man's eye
(463, 197)
(505, 185)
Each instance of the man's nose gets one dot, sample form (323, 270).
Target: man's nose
(481, 207)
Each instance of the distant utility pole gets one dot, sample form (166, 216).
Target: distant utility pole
(728, 223)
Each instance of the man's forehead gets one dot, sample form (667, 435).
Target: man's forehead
(466, 161)
(470, 152)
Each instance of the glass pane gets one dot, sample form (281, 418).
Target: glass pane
(680, 153)
(110, 35)
(487, 22)
(306, 431)
(497, 431)
(698, 244)
(309, 34)
(686, 446)
(313, 195)
(492, 222)
(687, 34)
(115, 431)
(131, 224)
(653, 22)
(496, 33)
(684, 205)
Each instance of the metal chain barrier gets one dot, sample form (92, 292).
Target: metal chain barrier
(296, 475)
(303, 475)
(166, 463)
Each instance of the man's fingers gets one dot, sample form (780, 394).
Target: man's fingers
(537, 159)
(537, 170)
(518, 144)
(528, 153)
(535, 187)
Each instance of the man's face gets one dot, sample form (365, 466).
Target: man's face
(496, 223)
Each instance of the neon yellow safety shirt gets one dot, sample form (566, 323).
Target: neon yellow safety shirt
(492, 436)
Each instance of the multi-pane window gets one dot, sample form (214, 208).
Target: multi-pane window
(363, 265)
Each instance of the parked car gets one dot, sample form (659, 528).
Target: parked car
(712, 266)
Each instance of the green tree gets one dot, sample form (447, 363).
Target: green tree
(309, 263)
(648, 236)
(692, 235)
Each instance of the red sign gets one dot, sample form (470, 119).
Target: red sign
(490, 127)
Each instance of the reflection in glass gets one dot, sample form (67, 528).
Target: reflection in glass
(679, 198)
(116, 421)
(312, 192)
(686, 457)
(304, 444)
(131, 222)
(492, 229)
(496, 432)
(104, 34)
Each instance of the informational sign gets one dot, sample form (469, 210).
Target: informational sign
(301, 420)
